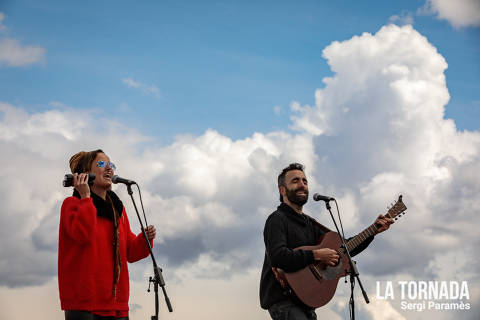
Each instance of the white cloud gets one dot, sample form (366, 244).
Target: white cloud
(131, 83)
(147, 89)
(377, 129)
(18, 124)
(278, 110)
(2, 26)
(459, 13)
(383, 310)
(13, 54)
(401, 19)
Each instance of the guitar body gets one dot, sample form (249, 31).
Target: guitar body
(316, 284)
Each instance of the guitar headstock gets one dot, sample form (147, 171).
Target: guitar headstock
(397, 209)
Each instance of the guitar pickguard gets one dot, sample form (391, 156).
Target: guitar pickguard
(330, 273)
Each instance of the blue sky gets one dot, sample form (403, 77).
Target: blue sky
(216, 64)
(203, 103)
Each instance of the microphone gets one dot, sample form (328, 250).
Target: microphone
(318, 197)
(68, 179)
(117, 179)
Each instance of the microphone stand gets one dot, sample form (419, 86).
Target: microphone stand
(157, 271)
(353, 267)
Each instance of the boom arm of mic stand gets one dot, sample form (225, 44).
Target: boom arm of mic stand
(158, 277)
(353, 267)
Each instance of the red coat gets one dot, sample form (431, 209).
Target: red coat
(85, 258)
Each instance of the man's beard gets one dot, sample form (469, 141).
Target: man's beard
(295, 198)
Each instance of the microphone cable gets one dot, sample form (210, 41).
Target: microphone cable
(141, 204)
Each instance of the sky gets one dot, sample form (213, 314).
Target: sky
(203, 104)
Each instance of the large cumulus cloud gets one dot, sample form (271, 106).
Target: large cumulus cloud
(380, 131)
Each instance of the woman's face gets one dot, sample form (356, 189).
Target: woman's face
(103, 171)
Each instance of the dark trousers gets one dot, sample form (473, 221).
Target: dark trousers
(287, 310)
(85, 315)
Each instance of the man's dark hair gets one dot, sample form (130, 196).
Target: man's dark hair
(281, 176)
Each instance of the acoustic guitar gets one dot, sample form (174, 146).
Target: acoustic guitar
(316, 284)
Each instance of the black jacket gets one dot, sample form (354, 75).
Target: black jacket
(284, 231)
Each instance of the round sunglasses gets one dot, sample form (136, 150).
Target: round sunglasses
(103, 164)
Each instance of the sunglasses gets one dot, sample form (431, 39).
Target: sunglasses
(103, 164)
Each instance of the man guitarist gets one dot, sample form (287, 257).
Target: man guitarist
(286, 229)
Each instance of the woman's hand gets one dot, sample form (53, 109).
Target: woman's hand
(151, 232)
(80, 182)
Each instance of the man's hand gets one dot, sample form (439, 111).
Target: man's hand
(383, 223)
(327, 256)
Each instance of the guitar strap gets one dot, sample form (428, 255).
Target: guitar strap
(321, 226)
(278, 273)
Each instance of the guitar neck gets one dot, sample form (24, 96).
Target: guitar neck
(396, 210)
(361, 237)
